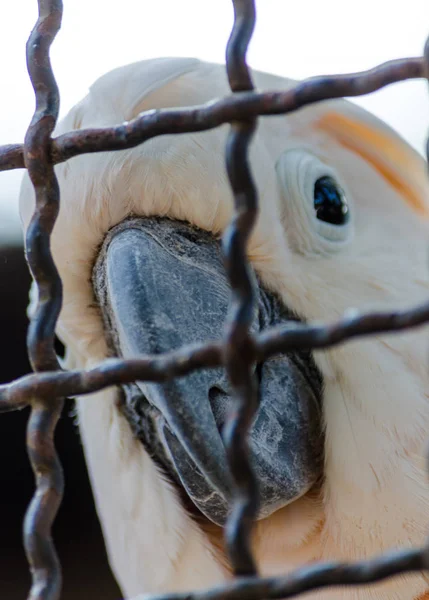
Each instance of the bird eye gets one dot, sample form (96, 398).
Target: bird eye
(330, 202)
(316, 209)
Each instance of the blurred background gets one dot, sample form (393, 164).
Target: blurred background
(295, 39)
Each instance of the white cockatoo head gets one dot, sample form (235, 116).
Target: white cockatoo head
(338, 442)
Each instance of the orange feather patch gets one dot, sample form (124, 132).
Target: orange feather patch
(400, 166)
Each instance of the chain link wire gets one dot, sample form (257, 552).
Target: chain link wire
(238, 352)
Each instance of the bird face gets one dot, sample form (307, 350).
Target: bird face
(342, 224)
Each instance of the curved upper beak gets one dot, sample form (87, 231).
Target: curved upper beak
(160, 285)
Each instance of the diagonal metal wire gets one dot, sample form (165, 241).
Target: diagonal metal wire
(237, 351)
(163, 367)
(312, 578)
(241, 105)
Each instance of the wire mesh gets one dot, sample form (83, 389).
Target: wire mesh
(238, 351)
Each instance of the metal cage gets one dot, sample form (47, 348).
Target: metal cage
(238, 350)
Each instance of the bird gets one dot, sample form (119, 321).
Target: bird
(339, 439)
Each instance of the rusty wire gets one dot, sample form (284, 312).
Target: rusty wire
(238, 351)
(45, 412)
(157, 122)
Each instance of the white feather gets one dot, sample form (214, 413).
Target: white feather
(376, 409)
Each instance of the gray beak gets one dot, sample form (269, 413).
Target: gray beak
(161, 284)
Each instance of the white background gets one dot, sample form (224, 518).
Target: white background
(295, 38)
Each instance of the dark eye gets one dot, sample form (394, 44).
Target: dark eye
(330, 202)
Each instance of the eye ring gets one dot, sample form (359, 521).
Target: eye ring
(311, 228)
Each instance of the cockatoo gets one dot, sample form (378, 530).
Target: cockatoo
(338, 443)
